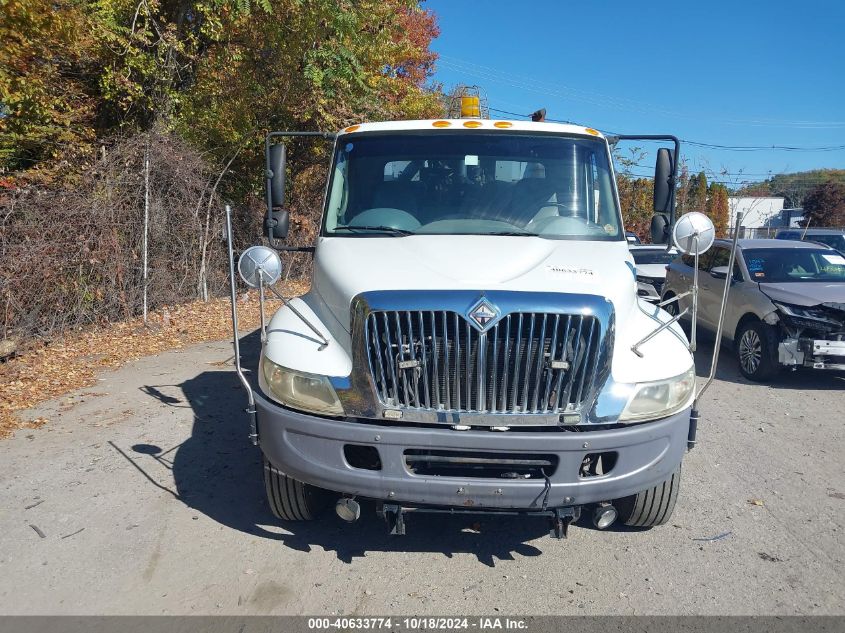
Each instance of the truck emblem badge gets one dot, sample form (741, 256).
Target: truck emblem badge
(483, 314)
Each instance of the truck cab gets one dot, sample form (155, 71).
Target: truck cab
(473, 339)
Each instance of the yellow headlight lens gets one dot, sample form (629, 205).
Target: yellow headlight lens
(652, 400)
(298, 390)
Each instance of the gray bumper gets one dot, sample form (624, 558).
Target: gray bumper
(310, 449)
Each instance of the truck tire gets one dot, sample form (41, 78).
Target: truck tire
(756, 348)
(292, 500)
(650, 507)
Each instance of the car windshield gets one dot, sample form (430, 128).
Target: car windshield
(778, 265)
(472, 183)
(831, 239)
(653, 255)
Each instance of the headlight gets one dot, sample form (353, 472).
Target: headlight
(298, 390)
(803, 312)
(652, 400)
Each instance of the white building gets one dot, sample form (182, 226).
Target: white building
(757, 213)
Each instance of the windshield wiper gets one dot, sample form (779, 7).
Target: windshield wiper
(381, 229)
(523, 233)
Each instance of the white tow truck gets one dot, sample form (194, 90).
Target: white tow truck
(472, 340)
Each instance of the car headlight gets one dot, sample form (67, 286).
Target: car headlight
(298, 390)
(652, 400)
(802, 312)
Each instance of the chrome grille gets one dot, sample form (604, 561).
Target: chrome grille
(529, 363)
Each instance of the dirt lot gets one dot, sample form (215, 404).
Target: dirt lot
(143, 495)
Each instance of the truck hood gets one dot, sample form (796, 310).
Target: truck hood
(805, 293)
(347, 266)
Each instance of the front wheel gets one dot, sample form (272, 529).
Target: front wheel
(756, 351)
(290, 499)
(671, 308)
(650, 507)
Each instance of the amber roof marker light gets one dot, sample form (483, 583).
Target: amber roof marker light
(503, 125)
(441, 124)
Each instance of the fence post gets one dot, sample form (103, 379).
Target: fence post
(146, 217)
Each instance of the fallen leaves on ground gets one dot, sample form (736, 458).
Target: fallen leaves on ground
(48, 370)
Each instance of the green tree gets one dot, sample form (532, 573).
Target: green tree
(697, 195)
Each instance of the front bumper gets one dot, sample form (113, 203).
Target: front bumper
(311, 449)
(815, 353)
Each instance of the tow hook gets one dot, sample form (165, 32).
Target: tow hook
(693, 428)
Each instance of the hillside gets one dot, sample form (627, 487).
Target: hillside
(794, 187)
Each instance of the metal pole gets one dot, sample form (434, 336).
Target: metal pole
(718, 344)
(261, 304)
(693, 343)
(146, 219)
(253, 434)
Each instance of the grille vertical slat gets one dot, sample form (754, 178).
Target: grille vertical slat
(400, 356)
(506, 365)
(495, 364)
(517, 365)
(527, 363)
(457, 374)
(563, 357)
(585, 366)
(576, 355)
(424, 349)
(446, 369)
(538, 371)
(549, 374)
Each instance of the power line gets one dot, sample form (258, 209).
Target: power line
(603, 100)
(737, 148)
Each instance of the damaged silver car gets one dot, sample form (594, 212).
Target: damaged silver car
(786, 306)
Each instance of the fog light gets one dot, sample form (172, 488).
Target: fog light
(604, 516)
(348, 509)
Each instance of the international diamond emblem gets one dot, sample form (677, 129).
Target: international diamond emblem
(483, 314)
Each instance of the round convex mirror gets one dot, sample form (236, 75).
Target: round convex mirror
(693, 232)
(260, 262)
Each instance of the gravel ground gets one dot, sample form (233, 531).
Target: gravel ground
(143, 496)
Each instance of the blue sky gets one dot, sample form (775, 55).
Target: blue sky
(738, 74)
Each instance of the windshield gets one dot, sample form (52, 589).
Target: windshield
(778, 265)
(472, 183)
(653, 256)
(831, 239)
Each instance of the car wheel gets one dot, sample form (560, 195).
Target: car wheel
(671, 308)
(756, 351)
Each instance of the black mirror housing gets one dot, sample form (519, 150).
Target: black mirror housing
(663, 184)
(660, 228)
(276, 160)
(277, 224)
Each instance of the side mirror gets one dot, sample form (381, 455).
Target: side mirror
(719, 272)
(277, 224)
(663, 184)
(277, 219)
(276, 160)
(659, 228)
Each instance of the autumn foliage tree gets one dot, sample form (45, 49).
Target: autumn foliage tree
(825, 205)
(86, 88)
